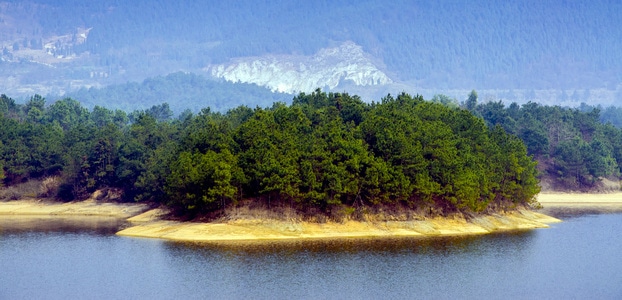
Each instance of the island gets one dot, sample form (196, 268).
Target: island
(149, 223)
(326, 165)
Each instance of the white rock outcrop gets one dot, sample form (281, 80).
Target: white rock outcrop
(292, 74)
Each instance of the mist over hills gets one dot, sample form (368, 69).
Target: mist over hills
(560, 52)
(182, 91)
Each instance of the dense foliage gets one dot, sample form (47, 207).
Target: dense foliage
(322, 151)
(575, 148)
(610, 114)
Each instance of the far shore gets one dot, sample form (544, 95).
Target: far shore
(548, 198)
(598, 203)
(148, 223)
(39, 208)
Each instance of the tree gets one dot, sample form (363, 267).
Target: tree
(533, 133)
(471, 102)
(102, 116)
(160, 112)
(67, 113)
(202, 182)
(1, 175)
(322, 152)
(269, 151)
(446, 100)
(145, 155)
(515, 174)
(34, 109)
(9, 108)
(570, 162)
(495, 114)
(599, 160)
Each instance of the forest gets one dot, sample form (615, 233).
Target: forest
(576, 148)
(322, 153)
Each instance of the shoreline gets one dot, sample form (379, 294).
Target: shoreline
(147, 223)
(568, 202)
(547, 198)
(86, 208)
(257, 230)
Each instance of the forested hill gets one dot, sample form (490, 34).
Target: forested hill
(576, 148)
(323, 153)
(181, 91)
(440, 45)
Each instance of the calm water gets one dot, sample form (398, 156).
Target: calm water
(578, 259)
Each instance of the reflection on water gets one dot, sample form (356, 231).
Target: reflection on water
(394, 245)
(566, 212)
(576, 259)
(74, 224)
(384, 268)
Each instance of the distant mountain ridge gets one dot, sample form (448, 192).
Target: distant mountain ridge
(292, 74)
(182, 91)
(513, 47)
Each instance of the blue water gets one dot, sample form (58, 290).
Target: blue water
(580, 258)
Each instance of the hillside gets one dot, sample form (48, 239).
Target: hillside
(181, 91)
(575, 149)
(553, 48)
(328, 154)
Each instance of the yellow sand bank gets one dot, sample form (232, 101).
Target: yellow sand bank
(274, 229)
(83, 208)
(578, 198)
(148, 223)
(555, 203)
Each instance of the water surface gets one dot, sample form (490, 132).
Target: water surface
(579, 258)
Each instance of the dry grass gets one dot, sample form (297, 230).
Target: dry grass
(49, 187)
(259, 212)
(34, 188)
(256, 210)
(388, 213)
(27, 190)
(609, 186)
(603, 185)
(107, 195)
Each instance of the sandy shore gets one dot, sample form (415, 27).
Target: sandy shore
(39, 208)
(274, 229)
(577, 198)
(555, 203)
(148, 223)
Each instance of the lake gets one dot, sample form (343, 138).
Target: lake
(45, 258)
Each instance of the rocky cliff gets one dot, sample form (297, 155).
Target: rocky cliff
(295, 73)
